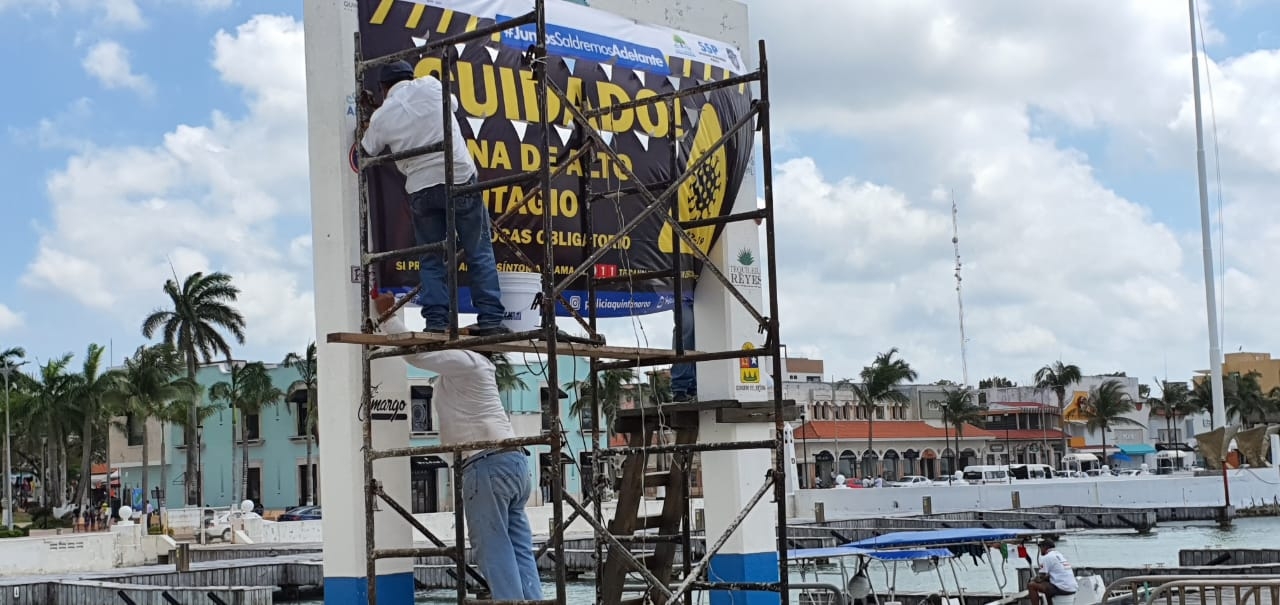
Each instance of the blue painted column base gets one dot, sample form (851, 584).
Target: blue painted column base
(393, 589)
(755, 567)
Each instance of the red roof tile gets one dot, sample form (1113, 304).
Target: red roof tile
(883, 429)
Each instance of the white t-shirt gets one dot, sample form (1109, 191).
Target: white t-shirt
(1054, 565)
(465, 395)
(410, 118)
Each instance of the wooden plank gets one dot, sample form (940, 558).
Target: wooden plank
(625, 518)
(674, 510)
(752, 415)
(413, 339)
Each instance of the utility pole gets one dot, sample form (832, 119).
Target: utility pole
(955, 242)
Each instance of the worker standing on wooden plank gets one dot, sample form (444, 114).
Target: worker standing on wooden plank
(495, 482)
(411, 117)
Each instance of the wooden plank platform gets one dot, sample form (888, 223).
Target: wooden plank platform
(414, 339)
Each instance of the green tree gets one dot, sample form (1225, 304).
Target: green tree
(1174, 402)
(1056, 377)
(174, 413)
(959, 410)
(507, 378)
(878, 387)
(1201, 396)
(613, 389)
(307, 381)
(140, 390)
(996, 382)
(249, 393)
(1247, 403)
(91, 391)
(1107, 405)
(50, 414)
(201, 306)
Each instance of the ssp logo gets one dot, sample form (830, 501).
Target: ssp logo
(702, 194)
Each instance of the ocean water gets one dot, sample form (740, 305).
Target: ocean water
(1106, 548)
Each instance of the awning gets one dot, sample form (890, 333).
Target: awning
(426, 463)
(1138, 449)
(1172, 455)
(1080, 457)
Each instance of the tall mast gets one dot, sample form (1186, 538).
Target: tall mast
(955, 241)
(1210, 295)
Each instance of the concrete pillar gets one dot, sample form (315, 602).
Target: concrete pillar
(330, 25)
(732, 477)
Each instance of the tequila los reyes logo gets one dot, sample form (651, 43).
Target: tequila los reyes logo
(383, 408)
(745, 273)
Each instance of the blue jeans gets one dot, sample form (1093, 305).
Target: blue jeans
(475, 239)
(496, 488)
(684, 376)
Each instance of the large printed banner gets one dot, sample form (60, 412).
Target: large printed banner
(599, 59)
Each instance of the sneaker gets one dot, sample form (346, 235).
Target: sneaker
(492, 331)
(684, 397)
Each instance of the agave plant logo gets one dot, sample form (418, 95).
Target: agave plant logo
(745, 273)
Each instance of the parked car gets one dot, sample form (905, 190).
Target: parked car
(301, 513)
(912, 481)
(217, 527)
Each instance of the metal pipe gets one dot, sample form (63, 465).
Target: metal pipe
(425, 450)
(690, 448)
(426, 532)
(668, 97)
(450, 209)
(680, 590)
(668, 359)
(753, 215)
(621, 550)
(774, 344)
(366, 427)
(459, 528)
(409, 553)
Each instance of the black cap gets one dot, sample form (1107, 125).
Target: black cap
(395, 72)
(1046, 544)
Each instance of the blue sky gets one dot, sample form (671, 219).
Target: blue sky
(1085, 110)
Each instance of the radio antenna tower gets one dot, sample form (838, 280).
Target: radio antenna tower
(955, 241)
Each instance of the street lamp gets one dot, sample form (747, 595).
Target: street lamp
(804, 446)
(946, 439)
(7, 370)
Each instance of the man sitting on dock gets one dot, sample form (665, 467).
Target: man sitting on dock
(495, 481)
(1055, 577)
(412, 116)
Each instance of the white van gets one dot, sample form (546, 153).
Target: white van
(1030, 471)
(980, 474)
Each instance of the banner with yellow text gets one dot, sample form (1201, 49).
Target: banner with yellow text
(598, 59)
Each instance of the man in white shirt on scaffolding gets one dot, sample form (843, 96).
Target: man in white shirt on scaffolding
(495, 482)
(411, 117)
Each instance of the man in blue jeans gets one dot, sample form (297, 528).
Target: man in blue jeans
(411, 117)
(684, 376)
(495, 482)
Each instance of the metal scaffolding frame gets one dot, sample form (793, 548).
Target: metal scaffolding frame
(550, 342)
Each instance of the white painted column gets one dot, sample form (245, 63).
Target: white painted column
(329, 29)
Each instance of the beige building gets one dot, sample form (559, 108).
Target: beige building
(1242, 363)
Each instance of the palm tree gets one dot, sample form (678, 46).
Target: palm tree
(878, 382)
(249, 392)
(1107, 405)
(201, 307)
(961, 410)
(1249, 405)
(1056, 377)
(613, 387)
(1201, 397)
(91, 390)
(51, 413)
(1174, 402)
(507, 378)
(174, 412)
(142, 387)
(305, 365)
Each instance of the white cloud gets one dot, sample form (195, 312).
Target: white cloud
(8, 318)
(108, 63)
(207, 197)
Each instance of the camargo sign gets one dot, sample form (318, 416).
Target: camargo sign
(598, 59)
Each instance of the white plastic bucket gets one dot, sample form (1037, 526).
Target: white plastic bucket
(521, 293)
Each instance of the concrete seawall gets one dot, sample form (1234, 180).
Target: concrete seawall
(1249, 487)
